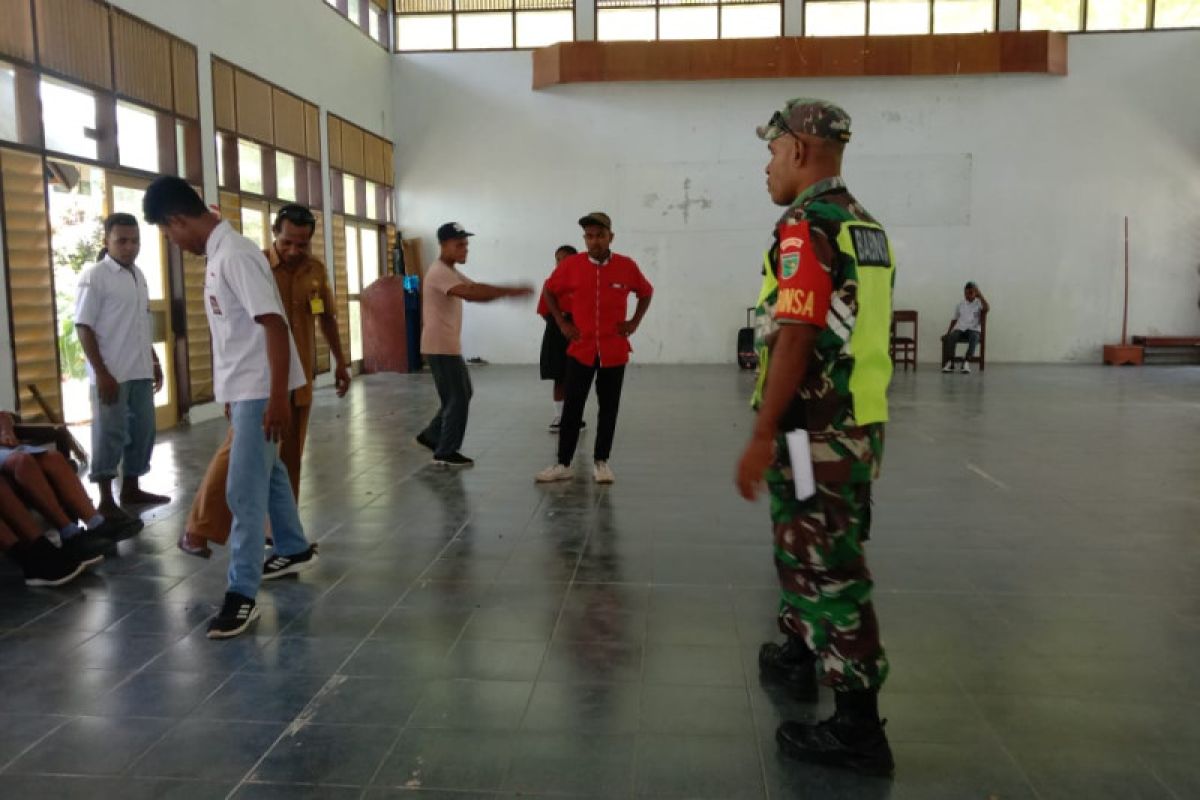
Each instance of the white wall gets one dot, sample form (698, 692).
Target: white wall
(1018, 182)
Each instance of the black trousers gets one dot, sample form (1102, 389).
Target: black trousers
(449, 424)
(578, 382)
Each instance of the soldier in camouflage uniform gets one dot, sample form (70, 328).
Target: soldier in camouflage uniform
(825, 314)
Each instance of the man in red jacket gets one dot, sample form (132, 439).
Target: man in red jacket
(599, 283)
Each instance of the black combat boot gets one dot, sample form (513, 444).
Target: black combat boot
(852, 738)
(792, 664)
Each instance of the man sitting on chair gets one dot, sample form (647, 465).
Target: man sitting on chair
(965, 326)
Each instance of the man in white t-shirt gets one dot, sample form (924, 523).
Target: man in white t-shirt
(255, 366)
(966, 326)
(441, 341)
(112, 318)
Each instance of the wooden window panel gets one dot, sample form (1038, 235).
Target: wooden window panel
(352, 149)
(373, 158)
(29, 107)
(253, 107)
(199, 343)
(341, 296)
(312, 132)
(229, 156)
(106, 128)
(142, 61)
(224, 104)
(318, 252)
(231, 209)
(30, 282)
(16, 34)
(73, 40)
(335, 142)
(269, 179)
(168, 153)
(290, 124)
(389, 164)
(185, 77)
(194, 150)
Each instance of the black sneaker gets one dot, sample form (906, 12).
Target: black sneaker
(426, 442)
(792, 664)
(88, 548)
(236, 615)
(278, 566)
(118, 527)
(454, 460)
(44, 564)
(839, 742)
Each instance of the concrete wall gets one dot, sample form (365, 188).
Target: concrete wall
(1020, 183)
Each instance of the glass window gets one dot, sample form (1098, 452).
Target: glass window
(432, 32)
(1112, 15)
(1176, 13)
(751, 21)
(354, 12)
(370, 254)
(353, 276)
(372, 210)
(687, 22)
(1050, 15)
(137, 137)
(8, 103)
(250, 171)
(285, 176)
(892, 17)
(68, 118)
(846, 18)
(181, 156)
(221, 160)
(373, 27)
(485, 31)
(963, 16)
(541, 28)
(332, 3)
(625, 24)
(254, 225)
(350, 195)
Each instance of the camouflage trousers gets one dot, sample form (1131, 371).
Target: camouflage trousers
(823, 576)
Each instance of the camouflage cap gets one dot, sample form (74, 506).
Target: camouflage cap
(808, 115)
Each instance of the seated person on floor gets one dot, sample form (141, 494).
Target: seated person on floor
(45, 480)
(965, 326)
(44, 564)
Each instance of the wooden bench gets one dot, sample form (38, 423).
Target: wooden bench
(1175, 348)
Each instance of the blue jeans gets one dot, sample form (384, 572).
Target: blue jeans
(951, 339)
(123, 432)
(257, 488)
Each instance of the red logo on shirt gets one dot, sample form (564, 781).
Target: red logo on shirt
(804, 285)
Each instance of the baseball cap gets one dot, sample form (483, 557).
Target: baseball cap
(808, 115)
(596, 218)
(452, 230)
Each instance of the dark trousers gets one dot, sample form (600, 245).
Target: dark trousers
(449, 424)
(951, 339)
(578, 382)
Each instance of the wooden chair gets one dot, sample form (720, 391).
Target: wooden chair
(904, 347)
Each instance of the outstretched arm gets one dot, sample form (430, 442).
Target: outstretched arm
(486, 292)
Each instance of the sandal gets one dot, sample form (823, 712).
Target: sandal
(193, 545)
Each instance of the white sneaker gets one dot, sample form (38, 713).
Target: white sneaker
(949, 367)
(602, 473)
(555, 424)
(555, 472)
(966, 368)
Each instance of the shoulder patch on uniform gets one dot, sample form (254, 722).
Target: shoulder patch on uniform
(870, 246)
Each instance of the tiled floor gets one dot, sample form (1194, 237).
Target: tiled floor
(472, 635)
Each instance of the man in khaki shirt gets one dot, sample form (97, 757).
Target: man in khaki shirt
(304, 289)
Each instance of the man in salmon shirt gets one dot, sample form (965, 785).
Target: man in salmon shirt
(599, 283)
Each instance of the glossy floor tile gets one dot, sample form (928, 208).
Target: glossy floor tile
(472, 635)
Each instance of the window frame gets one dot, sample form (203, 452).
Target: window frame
(658, 5)
(384, 15)
(454, 14)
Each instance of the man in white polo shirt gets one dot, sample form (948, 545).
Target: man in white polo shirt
(112, 318)
(255, 366)
(965, 326)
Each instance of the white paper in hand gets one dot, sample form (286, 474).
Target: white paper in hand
(801, 457)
